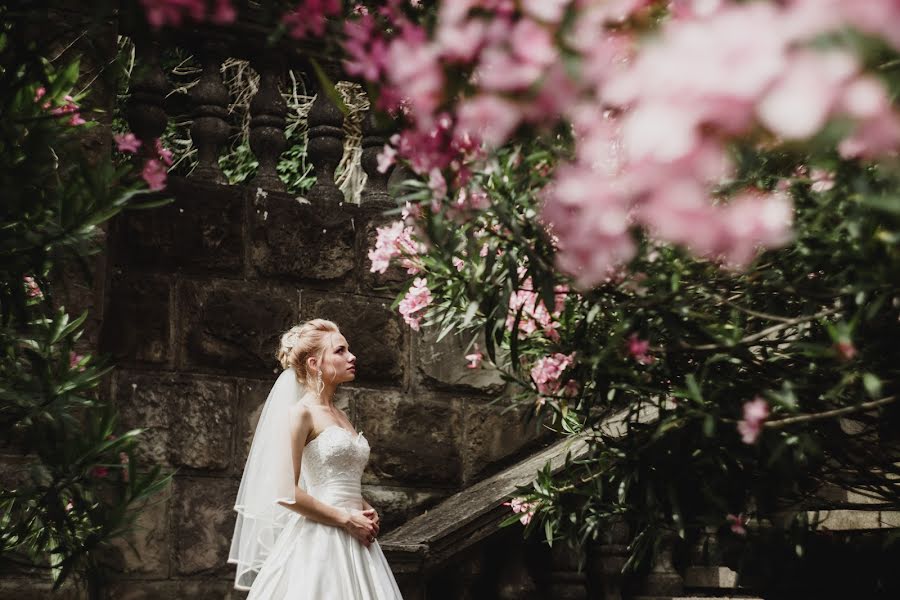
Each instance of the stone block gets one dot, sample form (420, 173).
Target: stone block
(234, 327)
(396, 506)
(144, 550)
(136, 327)
(300, 241)
(494, 432)
(442, 364)
(412, 440)
(37, 589)
(204, 522)
(890, 519)
(193, 589)
(375, 333)
(191, 419)
(848, 520)
(200, 231)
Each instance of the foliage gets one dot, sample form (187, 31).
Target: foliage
(75, 483)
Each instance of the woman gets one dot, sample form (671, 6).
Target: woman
(304, 531)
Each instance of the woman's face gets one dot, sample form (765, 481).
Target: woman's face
(338, 363)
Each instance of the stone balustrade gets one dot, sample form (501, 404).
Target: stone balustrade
(209, 110)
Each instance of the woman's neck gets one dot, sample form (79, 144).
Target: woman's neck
(325, 398)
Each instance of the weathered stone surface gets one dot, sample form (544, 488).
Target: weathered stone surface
(374, 332)
(234, 327)
(190, 418)
(144, 551)
(300, 240)
(200, 230)
(396, 506)
(492, 435)
(443, 364)
(204, 523)
(136, 326)
(412, 440)
(34, 589)
(194, 589)
(252, 396)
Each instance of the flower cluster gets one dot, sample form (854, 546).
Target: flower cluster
(394, 240)
(548, 370)
(310, 17)
(526, 305)
(521, 507)
(173, 12)
(70, 107)
(32, 288)
(755, 414)
(155, 169)
(653, 121)
(416, 300)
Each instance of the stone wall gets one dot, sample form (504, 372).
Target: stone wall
(197, 294)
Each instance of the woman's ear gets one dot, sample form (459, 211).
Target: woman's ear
(312, 363)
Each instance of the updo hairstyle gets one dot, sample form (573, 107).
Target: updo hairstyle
(302, 341)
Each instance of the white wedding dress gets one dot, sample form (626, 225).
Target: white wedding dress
(313, 561)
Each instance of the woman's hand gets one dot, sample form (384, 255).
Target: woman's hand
(362, 526)
(373, 514)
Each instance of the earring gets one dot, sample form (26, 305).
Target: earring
(320, 385)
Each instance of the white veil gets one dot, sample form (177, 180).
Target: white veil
(268, 478)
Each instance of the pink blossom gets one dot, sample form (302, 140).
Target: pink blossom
(458, 263)
(413, 69)
(75, 361)
(550, 11)
(365, 48)
(69, 506)
(32, 288)
(474, 358)
(526, 305)
(638, 349)
(171, 12)
(845, 349)
(165, 155)
(416, 300)
(40, 93)
(437, 184)
(310, 17)
(755, 414)
(154, 173)
(100, 472)
(548, 370)
(394, 240)
(489, 118)
(386, 158)
(738, 524)
(521, 506)
(127, 142)
(822, 180)
(224, 13)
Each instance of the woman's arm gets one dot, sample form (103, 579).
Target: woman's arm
(358, 525)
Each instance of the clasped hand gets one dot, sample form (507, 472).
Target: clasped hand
(363, 525)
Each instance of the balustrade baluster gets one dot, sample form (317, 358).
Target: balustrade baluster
(209, 131)
(325, 148)
(268, 110)
(375, 130)
(146, 113)
(566, 582)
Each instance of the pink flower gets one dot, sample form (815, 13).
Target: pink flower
(738, 524)
(100, 472)
(437, 184)
(69, 506)
(127, 142)
(394, 240)
(755, 414)
(520, 506)
(224, 13)
(365, 48)
(548, 370)
(386, 158)
(165, 155)
(171, 12)
(40, 93)
(416, 300)
(550, 11)
(458, 263)
(845, 349)
(489, 118)
(822, 180)
(154, 173)
(475, 358)
(75, 360)
(310, 17)
(638, 348)
(32, 288)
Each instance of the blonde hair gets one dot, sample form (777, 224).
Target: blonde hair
(301, 342)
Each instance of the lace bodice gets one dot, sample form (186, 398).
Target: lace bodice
(335, 454)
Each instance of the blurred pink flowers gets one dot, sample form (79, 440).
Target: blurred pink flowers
(638, 349)
(127, 142)
(474, 358)
(161, 13)
(738, 524)
(755, 414)
(309, 17)
(32, 288)
(394, 240)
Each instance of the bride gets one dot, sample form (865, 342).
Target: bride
(303, 530)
